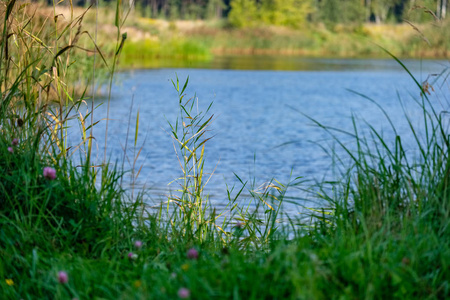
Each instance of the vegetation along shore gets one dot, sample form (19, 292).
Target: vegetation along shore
(199, 30)
(70, 229)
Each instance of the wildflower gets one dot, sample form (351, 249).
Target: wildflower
(10, 149)
(49, 173)
(238, 225)
(192, 253)
(9, 282)
(15, 142)
(184, 293)
(137, 283)
(63, 277)
(138, 244)
(185, 267)
(132, 256)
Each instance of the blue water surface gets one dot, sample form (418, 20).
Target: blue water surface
(259, 131)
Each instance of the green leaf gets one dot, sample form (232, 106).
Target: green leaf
(9, 9)
(136, 129)
(185, 85)
(122, 42)
(117, 19)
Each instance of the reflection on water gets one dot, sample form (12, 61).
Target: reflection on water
(292, 63)
(256, 111)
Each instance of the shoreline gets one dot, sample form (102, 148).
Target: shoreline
(256, 62)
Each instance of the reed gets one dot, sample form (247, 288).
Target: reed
(40, 96)
(388, 180)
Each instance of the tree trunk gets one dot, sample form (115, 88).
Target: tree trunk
(368, 10)
(219, 11)
(154, 6)
(165, 9)
(444, 9)
(438, 8)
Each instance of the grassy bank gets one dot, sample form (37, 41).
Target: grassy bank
(71, 231)
(153, 40)
(214, 38)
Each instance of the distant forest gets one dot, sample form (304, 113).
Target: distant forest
(294, 13)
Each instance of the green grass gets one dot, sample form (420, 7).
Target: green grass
(383, 234)
(200, 42)
(155, 42)
(147, 53)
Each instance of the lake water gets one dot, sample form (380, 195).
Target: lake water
(258, 131)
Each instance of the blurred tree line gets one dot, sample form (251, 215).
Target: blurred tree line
(292, 13)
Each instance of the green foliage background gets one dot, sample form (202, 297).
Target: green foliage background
(292, 13)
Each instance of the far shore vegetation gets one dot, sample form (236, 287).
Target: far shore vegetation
(175, 31)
